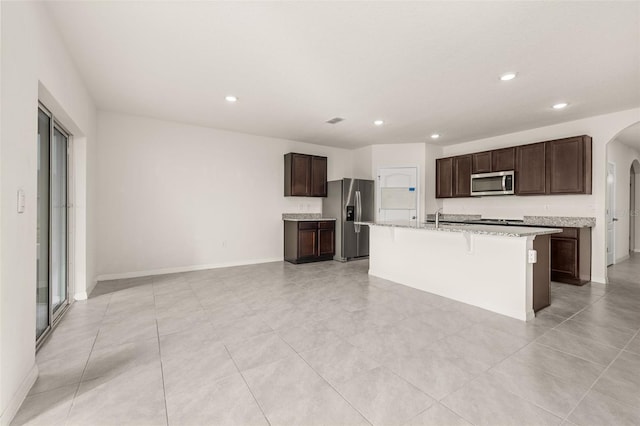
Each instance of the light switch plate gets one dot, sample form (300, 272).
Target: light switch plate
(532, 256)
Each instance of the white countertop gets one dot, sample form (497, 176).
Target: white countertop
(497, 230)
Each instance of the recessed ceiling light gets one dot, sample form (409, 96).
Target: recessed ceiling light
(435, 136)
(231, 98)
(508, 76)
(560, 105)
(378, 122)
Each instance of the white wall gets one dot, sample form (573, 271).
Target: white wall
(362, 167)
(177, 197)
(34, 63)
(602, 129)
(431, 153)
(622, 156)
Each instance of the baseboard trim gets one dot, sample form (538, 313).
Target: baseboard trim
(84, 295)
(18, 398)
(136, 274)
(636, 250)
(622, 259)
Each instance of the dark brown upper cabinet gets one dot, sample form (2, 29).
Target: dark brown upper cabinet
(444, 177)
(481, 162)
(318, 176)
(556, 167)
(569, 166)
(305, 175)
(462, 176)
(531, 169)
(503, 160)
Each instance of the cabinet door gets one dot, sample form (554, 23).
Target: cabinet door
(300, 175)
(318, 176)
(503, 160)
(444, 177)
(307, 243)
(566, 166)
(564, 257)
(530, 169)
(326, 238)
(462, 176)
(481, 162)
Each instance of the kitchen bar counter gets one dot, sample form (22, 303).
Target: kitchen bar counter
(496, 230)
(486, 266)
(560, 221)
(543, 221)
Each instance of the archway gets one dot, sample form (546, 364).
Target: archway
(622, 196)
(634, 199)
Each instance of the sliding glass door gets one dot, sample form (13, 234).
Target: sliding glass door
(58, 221)
(42, 289)
(52, 234)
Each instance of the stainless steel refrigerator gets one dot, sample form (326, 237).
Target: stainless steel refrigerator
(350, 201)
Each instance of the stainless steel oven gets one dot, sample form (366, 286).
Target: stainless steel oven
(497, 183)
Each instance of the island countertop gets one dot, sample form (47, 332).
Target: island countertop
(496, 230)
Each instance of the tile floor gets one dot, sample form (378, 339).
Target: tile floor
(326, 344)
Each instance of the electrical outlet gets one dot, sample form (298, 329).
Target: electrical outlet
(21, 201)
(532, 256)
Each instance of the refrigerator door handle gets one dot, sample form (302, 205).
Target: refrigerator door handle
(358, 212)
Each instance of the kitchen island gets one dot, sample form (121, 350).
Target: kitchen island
(504, 269)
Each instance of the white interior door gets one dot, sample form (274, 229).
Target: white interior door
(611, 192)
(397, 194)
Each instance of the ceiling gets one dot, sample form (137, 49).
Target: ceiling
(422, 67)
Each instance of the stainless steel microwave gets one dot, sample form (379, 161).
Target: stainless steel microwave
(497, 183)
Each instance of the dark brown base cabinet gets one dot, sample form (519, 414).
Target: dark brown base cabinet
(309, 241)
(541, 274)
(571, 256)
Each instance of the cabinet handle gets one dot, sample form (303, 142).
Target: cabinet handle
(358, 212)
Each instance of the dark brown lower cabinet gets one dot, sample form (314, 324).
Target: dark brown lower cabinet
(541, 274)
(309, 241)
(571, 256)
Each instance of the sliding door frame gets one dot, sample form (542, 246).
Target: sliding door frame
(54, 318)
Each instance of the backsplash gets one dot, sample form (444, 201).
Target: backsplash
(515, 207)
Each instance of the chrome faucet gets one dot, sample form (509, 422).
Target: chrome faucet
(438, 217)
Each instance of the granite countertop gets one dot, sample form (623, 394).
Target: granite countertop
(496, 230)
(545, 221)
(447, 217)
(561, 221)
(305, 217)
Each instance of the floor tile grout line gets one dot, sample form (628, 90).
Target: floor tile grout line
(574, 355)
(84, 370)
(602, 373)
(247, 384)
(327, 382)
(164, 388)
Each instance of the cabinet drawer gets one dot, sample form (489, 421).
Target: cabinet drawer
(329, 224)
(307, 225)
(567, 233)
